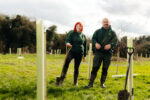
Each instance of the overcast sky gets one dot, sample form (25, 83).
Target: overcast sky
(127, 17)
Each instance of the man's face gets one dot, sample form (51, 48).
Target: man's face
(105, 23)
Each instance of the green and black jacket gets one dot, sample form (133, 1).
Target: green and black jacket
(78, 42)
(104, 37)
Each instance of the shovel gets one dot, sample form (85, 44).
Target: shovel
(58, 78)
(124, 94)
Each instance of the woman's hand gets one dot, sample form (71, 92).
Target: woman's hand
(69, 45)
(84, 58)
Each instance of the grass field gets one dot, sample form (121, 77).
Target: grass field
(18, 80)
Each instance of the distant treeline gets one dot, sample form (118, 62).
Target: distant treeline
(20, 32)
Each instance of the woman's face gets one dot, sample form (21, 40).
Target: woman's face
(78, 28)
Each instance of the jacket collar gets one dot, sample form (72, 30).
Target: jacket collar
(106, 29)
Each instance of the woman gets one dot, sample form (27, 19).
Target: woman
(76, 41)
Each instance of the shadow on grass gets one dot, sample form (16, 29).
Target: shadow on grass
(57, 91)
(18, 92)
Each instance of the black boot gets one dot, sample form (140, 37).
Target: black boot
(75, 83)
(90, 85)
(91, 81)
(59, 81)
(103, 78)
(102, 85)
(75, 80)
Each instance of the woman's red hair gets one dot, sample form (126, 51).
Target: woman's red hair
(80, 25)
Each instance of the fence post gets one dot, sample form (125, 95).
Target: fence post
(51, 51)
(118, 56)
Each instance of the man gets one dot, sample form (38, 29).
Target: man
(103, 41)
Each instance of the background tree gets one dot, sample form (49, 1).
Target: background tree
(20, 32)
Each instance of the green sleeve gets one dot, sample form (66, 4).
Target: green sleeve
(84, 44)
(69, 38)
(114, 40)
(94, 38)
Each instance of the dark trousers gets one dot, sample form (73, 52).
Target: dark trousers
(77, 60)
(98, 59)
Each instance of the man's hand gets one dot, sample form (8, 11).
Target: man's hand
(98, 46)
(69, 45)
(84, 58)
(107, 47)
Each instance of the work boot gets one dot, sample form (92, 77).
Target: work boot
(89, 86)
(59, 81)
(91, 81)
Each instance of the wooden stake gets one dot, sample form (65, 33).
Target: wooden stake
(10, 51)
(89, 60)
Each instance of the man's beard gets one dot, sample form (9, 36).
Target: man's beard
(106, 26)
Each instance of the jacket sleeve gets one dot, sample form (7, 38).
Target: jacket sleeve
(94, 39)
(84, 44)
(114, 40)
(69, 38)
